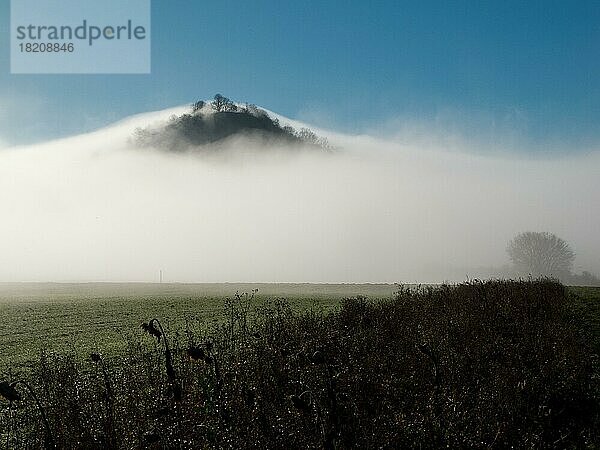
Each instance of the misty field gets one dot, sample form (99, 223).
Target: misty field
(480, 365)
(102, 317)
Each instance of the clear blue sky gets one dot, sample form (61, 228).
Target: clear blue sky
(529, 67)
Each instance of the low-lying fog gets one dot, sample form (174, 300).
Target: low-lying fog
(93, 208)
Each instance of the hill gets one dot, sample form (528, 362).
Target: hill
(221, 119)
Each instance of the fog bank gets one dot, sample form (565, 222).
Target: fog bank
(93, 208)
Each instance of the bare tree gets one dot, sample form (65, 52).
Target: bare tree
(289, 130)
(219, 102)
(223, 104)
(541, 254)
(197, 106)
(307, 136)
(255, 110)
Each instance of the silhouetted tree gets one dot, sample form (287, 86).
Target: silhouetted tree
(323, 142)
(223, 104)
(541, 254)
(255, 110)
(307, 136)
(198, 106)
(219, 102)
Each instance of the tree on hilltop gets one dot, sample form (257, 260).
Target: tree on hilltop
(198, 106)
(223, 104)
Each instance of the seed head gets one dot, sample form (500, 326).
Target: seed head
(196, 353)
(151, 329)
(9, 392)
(301, 402)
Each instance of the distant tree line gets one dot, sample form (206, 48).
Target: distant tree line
(219, 119)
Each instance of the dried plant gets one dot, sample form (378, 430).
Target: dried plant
(10, 393)
(151, 328)
(494, 364)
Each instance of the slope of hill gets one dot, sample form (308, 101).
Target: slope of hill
(221, 119)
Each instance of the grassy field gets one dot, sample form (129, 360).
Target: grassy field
(81, 318)
(497, 364)
(102, 317)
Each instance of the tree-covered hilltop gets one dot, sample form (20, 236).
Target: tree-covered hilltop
(219, 119)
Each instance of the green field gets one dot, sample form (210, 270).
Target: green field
(102, 317)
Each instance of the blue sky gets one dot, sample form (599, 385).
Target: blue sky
(526, 69)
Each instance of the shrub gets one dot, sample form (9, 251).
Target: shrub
(492, 364)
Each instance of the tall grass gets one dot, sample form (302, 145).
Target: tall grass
(481, 365)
